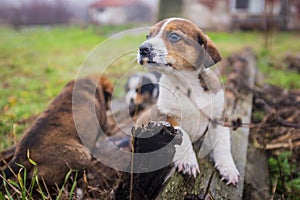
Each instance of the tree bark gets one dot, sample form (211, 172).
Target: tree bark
(146, 186)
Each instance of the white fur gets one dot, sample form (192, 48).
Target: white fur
(182, 97)
(163, 27)
(175, 102)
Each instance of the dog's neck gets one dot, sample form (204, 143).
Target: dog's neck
(191, 79)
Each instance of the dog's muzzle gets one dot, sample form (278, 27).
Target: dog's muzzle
(146, 53)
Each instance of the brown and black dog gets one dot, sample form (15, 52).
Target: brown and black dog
(54, 140)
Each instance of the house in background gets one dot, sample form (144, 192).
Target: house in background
(208, 14)
(243, 14)
(115, 12)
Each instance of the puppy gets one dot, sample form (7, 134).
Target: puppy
(53, 142)
(141, 91)
(190, 93)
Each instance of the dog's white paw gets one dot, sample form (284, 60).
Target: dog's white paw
(185, 158)
(187, 164)
(229, 174)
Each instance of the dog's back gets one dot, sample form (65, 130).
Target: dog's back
(53, 141)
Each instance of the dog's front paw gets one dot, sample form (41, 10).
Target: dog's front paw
(230, 174)
(187, 164)
(185, 158)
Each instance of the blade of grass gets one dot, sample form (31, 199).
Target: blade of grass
(31, 187)
(73, 186)
(62, 187)
(30, 160)
(22, 180)
(22, 187)
(40, 190)
(13, 183)
(46, 188)
(7, 191)
(1, 196)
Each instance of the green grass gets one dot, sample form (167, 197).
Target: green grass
(270, 55)
(37, 62)
(20, 187)
(285, 176)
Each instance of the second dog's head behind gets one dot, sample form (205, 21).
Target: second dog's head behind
(141, 90)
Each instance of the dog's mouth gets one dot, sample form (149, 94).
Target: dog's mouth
(152, 61)
(149, 55)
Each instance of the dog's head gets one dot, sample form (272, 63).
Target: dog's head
(179, 44)
(141, 90)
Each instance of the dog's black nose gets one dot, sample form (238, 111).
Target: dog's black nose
(145, 49)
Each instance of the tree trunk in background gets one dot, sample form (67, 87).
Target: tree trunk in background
(170, 8)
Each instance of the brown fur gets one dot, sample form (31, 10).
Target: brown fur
(209, 82)
(172, 121)
(183, 56)
(53, 141)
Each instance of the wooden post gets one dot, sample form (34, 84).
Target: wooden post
(147, 185)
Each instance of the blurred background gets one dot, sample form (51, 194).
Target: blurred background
(43, 43)
(208, 14)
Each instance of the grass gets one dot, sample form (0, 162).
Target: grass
(21, 188)
(271, 49)
(35, 65)
(37, 62)
(285, 176)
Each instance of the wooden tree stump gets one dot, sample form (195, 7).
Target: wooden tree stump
(147, 185)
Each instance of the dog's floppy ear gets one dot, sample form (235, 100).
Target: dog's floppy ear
(107, 87)
(211, 53)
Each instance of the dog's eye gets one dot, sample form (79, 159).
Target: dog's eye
(174, 37)
(147, 37)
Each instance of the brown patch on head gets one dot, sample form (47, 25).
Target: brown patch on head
(139, 99)
(193, 49)
(194, 32)
(184, 26)
(156, 28)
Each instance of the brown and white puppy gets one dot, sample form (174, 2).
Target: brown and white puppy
(53, 141)
(189, 92)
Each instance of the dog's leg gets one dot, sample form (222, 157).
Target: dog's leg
(185, 158)
(222, 155)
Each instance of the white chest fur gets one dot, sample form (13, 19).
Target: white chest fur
(181, 96)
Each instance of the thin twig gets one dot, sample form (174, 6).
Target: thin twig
(274, 188)
(282, 145)
(209, 184)
(132, 165)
